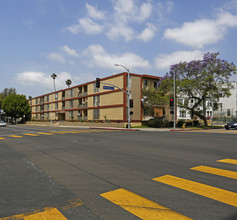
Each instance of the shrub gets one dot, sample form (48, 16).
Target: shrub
(189, 123)
(180, 122)
(158, 123)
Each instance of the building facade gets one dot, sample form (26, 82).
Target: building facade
(85, 102)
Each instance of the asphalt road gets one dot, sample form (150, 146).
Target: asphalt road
(72, 173)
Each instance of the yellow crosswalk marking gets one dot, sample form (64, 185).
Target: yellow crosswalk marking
(231, 161)
(216, 171)
(34, 135)
(221, 195)
(141, 207)
(50, 214)
(15, 136)
(2, 138)
(44, 133)
(46, 213)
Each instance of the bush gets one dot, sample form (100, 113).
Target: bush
(189, 123)
(159, 123)
(196, 123)
(180, 123)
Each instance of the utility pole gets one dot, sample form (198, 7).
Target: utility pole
(128, 95)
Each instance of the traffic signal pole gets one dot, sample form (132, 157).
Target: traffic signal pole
(128, 93)
(174, 103)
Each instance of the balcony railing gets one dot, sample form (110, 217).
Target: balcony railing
(83, 105)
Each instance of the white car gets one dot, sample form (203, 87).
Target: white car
(3, 124)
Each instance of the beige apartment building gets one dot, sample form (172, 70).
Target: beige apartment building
(85, 102)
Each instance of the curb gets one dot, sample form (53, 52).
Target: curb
(115, 129)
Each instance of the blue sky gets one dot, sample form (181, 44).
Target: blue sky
(81, 40)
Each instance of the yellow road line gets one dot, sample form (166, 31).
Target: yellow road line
(231, 161)
(15, 136)
(46, 213)
(32, 134)
(59, 132)
(221, 195)
(44, 133)
(216, 171)
(141, 207)
(2, 138)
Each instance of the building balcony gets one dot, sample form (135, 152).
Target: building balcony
(82, 105)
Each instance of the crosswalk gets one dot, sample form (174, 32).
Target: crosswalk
(50, 133)
(147, 209)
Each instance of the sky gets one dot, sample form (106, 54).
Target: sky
(83, 39)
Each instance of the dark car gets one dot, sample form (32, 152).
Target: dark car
(231, 125)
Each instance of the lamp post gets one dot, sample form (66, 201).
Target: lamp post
(128, 95)
(54, 76)
(51, 121)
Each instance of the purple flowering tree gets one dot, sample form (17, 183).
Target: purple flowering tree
(201, 81)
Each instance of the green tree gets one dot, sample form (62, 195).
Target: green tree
(16, 106)
(6, 92)
(201, 81)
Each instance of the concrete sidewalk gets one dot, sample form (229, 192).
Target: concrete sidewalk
(107, 126)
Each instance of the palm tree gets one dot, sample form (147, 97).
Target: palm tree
(54, 77)
(68, 82)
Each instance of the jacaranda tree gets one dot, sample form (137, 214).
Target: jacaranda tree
(201, 81)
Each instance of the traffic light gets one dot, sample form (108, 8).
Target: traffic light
(97, 83)
(171, 102)
(131, 103)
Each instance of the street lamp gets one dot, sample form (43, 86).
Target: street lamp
(51, 121)
(54, 76)
(128, 95)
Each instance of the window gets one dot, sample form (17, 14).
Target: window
(36, 108)
(71, 104)
(36, 101)
(145, 83)
(96, 100)
(56, 114)
(47, 98)
(228, 112)
(155, 85)
(95, 89)
(71, 93)
(56, 106)
(96, 113)
(209, 114)
(71, 114)
(182, 113)
(56, 96)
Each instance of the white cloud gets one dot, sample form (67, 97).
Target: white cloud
(202, 32)
(163, 9)
(56, 57)
(120, 30)
(94, 13)
(69, 51)
(148, 33)
(164, 61)
(43, 80)
(145, 11)
(97, 56)
(87, 25)
(118, 23)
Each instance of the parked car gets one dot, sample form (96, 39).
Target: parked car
(3, 124)
(231, 125)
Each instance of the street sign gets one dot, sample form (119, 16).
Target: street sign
(108, 87)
